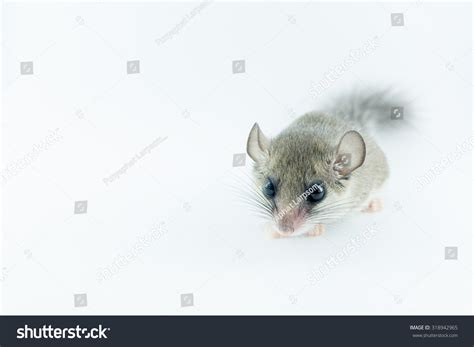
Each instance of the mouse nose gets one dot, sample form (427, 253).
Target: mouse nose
(290, 222)
(286, 229)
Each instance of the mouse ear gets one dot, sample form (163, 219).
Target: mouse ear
(350, 153)
(257, 144)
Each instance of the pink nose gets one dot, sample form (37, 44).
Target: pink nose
(286, 229)
(291, 221)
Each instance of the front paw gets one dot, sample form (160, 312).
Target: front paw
(318, 230)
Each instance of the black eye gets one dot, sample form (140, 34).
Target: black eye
(269, 189)
(316, 191)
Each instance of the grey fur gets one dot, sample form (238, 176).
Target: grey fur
(368, 108)
(306, 151)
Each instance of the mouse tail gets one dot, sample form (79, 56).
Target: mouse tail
(373, 109)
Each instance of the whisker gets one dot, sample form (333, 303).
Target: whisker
(336, 203)
(251, 195)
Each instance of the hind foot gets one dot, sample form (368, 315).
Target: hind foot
(375, 205)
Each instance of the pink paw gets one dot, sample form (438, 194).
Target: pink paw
(317, 231)
(375, 205)
(275, 234)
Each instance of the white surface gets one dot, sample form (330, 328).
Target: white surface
(215, 248)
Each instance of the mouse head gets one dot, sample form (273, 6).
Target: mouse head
(301, 181)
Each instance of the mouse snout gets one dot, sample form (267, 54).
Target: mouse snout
(290, 221)
(285, 229)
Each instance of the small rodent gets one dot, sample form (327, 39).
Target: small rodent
(323, 166)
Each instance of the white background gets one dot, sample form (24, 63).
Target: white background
(213, 246)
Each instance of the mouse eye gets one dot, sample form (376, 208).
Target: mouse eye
(269, 189)
(317, 194)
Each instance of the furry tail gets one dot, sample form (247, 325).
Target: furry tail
(383, 109)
